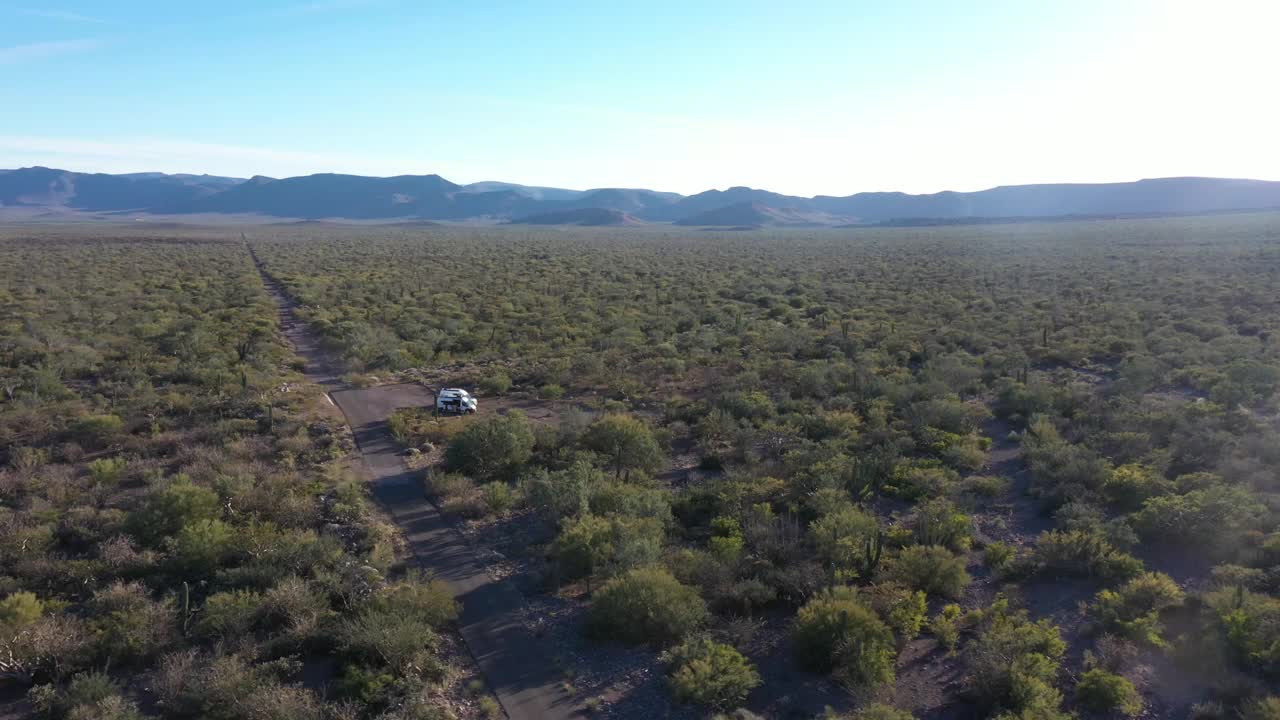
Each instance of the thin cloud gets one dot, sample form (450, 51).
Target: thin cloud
(31, 52)
(63, 15)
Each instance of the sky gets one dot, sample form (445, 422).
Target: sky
(802, 97)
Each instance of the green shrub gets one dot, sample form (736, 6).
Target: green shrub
(836, 633)
(645, 605)
(1249, 623)
(913, 481)
(945, 626)
(429, 601)
(442, 486)
(1013, 662)
(932, 569)
(985, 486)
(1062, 470)
(1264, 708)
(97, 430)
(841, 537)
(583, 546)
(1100, 691)
(129, 625)
(19, 610)
(202, 546)
(166, 511)
(299, 610)
(705, 672)
(563, 493)
(107, 471)
(230, 687)
(1133, 611)
(490, 708)
(592, 545)
(492, 447)
(1128, 486)
(89, 696)
(383, 638)
(726, 547)
(1210, 518)
(613, 497)
(371, 687)
(902, 609)
(229, 615)
(1083, 553)
(939, 522)
(497, 383)
(498, 497)
(998, 555)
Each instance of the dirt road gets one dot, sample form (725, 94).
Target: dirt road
(513, 661)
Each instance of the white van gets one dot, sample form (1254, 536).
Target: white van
(455, 401)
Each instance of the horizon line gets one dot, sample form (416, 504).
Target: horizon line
(642, 189)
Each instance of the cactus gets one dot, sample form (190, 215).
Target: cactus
(872, 548)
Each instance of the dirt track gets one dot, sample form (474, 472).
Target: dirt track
(525, 681)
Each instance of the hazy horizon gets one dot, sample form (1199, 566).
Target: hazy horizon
(198, 173)
(812, 98)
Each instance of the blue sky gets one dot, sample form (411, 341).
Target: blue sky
(799, 97)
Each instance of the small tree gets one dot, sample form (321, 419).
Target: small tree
(583, 546)
(626, 442)
(705, 672)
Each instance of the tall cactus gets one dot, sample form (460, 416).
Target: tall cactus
(872, 549)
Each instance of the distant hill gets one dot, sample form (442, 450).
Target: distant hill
(46, 192)
(41, 186)
(537, 193)
(756, 214)
(1144, 197)
(715, 199)
(594, 217)
(626, 200)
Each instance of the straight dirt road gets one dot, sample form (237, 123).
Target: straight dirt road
(514, 662)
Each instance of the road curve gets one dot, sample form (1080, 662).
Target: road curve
(514, 662)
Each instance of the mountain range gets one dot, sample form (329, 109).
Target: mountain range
(45, 192)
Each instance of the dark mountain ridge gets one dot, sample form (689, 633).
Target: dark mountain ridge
(431, 197)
